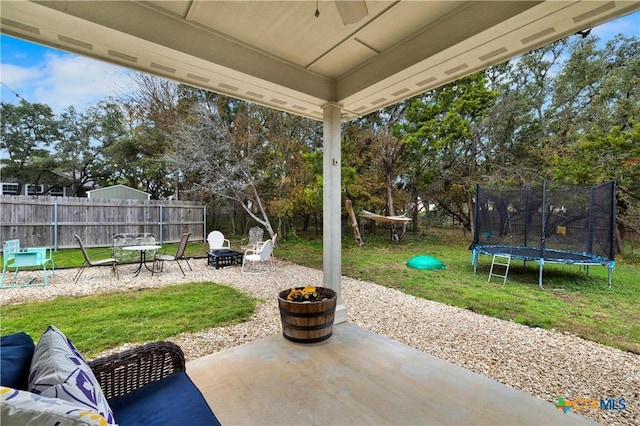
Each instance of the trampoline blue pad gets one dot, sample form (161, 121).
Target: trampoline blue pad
(548, 255)
(425, 262)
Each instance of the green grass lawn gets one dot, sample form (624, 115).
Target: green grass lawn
(98, 322)
(571, 302)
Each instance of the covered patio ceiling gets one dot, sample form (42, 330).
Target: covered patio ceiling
(361, 56)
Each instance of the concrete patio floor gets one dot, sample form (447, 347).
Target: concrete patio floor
(357, 377)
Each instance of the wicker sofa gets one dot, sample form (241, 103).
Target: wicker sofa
(145, 385)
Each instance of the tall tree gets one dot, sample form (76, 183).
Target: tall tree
(516, 131)
(82, 150)
(28, 130)
(361, 173)
(290, 184)
(154, 111)
(223, 145)
(597, 88)
(597, 99)
(375, 145)
(444, 132)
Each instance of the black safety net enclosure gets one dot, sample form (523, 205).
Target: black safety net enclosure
(551, 222)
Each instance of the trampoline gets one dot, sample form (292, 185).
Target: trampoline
(579, 222)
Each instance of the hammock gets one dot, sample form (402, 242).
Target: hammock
(379, 218)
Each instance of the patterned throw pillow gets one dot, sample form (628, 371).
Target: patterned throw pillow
(59, 371)
(25, 408)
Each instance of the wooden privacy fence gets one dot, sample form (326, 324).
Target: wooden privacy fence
(51, 221)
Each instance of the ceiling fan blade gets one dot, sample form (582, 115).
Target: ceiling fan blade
(351, 10)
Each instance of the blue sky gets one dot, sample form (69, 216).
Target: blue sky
(60, 79)
(57, 78)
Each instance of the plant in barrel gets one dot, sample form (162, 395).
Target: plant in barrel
(307, 313)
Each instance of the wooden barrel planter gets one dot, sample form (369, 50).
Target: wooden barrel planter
(308, 322)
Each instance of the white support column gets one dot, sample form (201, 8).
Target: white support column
(332, 206)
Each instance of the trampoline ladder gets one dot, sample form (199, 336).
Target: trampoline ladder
(502, 261)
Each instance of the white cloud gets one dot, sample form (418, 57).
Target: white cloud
(628, 25)
(62, 80)
(17, 80)
(18, 77)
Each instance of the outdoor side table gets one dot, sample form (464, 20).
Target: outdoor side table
(222, 258)
(143, 256)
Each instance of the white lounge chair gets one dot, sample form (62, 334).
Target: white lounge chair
(258, 246)
(255, 256)
(217, 241)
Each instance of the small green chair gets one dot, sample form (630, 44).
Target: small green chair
(14, 258)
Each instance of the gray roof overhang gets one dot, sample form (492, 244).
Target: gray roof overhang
(278, 54)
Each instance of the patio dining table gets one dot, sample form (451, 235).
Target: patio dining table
(143, 249)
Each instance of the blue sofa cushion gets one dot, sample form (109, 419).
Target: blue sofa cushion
(174, 400)
(16, 351)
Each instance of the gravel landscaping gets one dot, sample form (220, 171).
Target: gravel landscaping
(543, 363)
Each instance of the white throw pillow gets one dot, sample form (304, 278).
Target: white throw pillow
(59, 371)
(19, 408)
